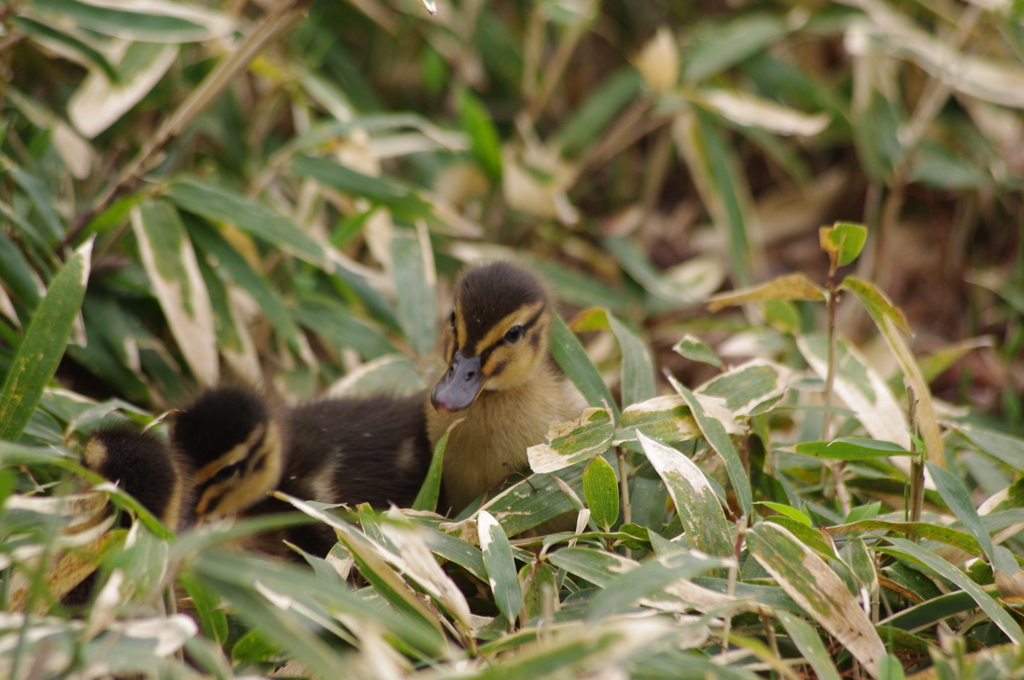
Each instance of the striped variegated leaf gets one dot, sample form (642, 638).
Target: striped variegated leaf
(573, 442)
(814, 586)
(178, 285)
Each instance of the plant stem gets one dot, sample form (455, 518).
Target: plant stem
(916, 501)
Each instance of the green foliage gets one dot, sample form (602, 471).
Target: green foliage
(283, 196)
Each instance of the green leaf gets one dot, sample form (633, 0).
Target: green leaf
(326, 317)
(213, 621)
(178, 285)
(933, 532)
(719, 439)
(42, 201)
(537, 596)
(637, 367)
(944, 569)
(254, 647)
(699, 509)
(843, 241)
(153, 26)
(17, 274)
(458, 551)
(792, 513)
(573, 442)
(597, 566)
(603, 103)
(43, 346)
(573, 360)
(862, 512)
(959, 501)
(719, 47)
(810, 645)
(230, 261)
(666, 419)
(646, 580)
(414, 281)
(426, 498)
(1003, 447)
(403, 200)
(890, 321)
(891, 668)
(694, 349)
(601, 491)
(814, 586)
(788, 287)
(501, 568)
(483, 135)
(749, 387)
(37, 30)
(851, 448)
(218, 204)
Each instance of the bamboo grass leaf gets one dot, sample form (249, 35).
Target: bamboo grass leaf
(943, 568)
(601, 491)
(699, 508)
(718, 437)
(957, 499)
(637, 367)
(43, 345)
(414, 282)
(890, 321)
(810, 645)
(851, 448)
(573, 442)
(501, 568)
(573, 360)
(784, 288)
(694, 349)
(860, 387)
(178, 285)
(814, 586)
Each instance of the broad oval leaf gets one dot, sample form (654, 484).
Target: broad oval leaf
(601, 491)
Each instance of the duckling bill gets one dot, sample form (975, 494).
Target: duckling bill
(501, 378)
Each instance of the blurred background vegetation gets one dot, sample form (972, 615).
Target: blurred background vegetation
(263, 191)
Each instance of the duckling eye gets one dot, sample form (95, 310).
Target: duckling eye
(514, 333)
(226, 472)
(453, 320)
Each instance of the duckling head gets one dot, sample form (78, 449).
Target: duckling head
(143, 465)
(497, 337)
(234, 445)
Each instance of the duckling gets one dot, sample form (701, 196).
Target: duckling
(367, 450)
(501, 379)
(144, 466)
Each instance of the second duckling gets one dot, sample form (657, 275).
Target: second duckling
(360, 450)
(501, 379)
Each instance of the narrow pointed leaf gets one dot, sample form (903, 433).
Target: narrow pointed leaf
(414, 282)
(178, 285)
(810, 645)
(851, 448)
(694, 349)
(719, 439)
(814, 586)
(573, 360)
(699, 508)
(637, 367)
(43, 345)
(788, 287)
(995, 611)
(501, 568)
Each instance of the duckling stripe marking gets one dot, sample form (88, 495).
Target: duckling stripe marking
(235, 455)
(497, 332)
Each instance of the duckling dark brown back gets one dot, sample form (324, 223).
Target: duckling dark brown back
(145, 467)
(359, 450)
